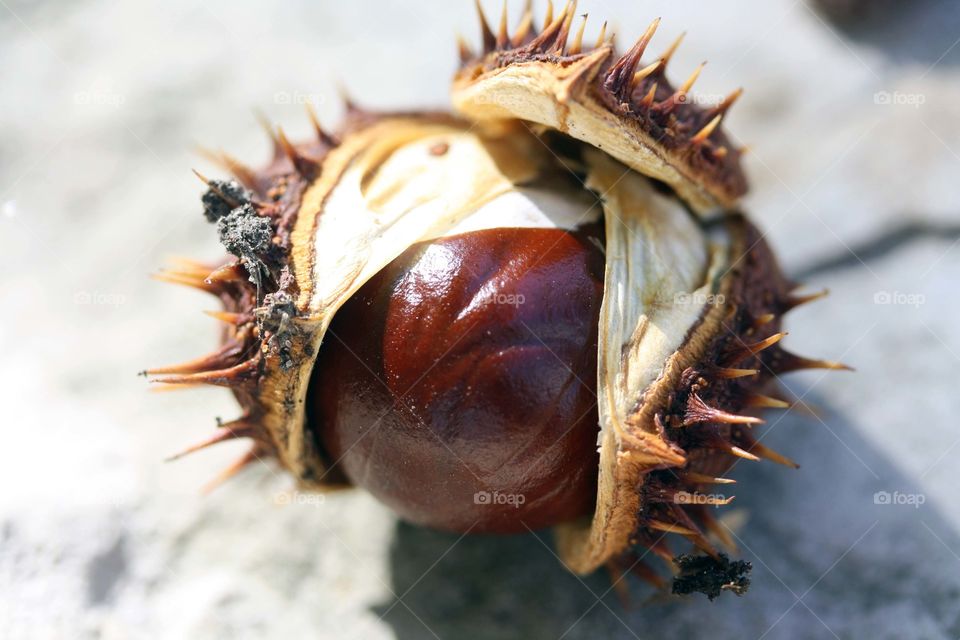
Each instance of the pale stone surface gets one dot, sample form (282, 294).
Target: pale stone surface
(103, 102)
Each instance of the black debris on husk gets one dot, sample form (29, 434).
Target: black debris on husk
(710, 576)
(222, 197)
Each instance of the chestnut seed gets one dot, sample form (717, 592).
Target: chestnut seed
(458, 385)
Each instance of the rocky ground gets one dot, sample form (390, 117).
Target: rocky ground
(854, 164)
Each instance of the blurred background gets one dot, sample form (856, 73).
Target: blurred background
(851, 115)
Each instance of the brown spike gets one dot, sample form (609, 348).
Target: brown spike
(702, 543)
(648, 99)
(229, 431)
(724, 106)
(268, 128)
(688, 83)
(194, 269)
(203, 178)
(655, 544)
(315, 121)
(785, 362)
(189, 265)
(646, 573)
(644, 40)
(603, 34)
(665, 58)
(760, 400)
(619, 77)
(745, 351)
(577, 45)
(185, 279)
(721, 444)
(228, 273)
(698, 411)
(289, 149)
(195, 275)
(325, 138)
(525, 26)
(643, 73)
(548, 18)
(669, 527)
(632, 57)
(569, 11)
(240, 171)
(486, 35)
(227, 317)
(680, 95)
(178, 387)
(704, 133)
(349, 104)
(740, 453)
(243, 173)
(699, 478)
(720, 152)
(680, 515)
(238, 465)
(503, 36)
(718, 530)
(728, 373)
(228, 377)
(766, 452)
(305, 166)
(463, 49)
(216, 360)
(618, 583)
(548, 39)
(792, 301)
(770, 454)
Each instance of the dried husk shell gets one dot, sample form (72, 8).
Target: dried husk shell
(690, 288)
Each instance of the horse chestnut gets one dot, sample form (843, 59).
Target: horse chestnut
(546, 310)
(458, 385)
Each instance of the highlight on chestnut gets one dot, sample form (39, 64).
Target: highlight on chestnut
(543, 309)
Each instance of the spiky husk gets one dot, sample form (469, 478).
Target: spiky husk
(667, 433)
(611, 101)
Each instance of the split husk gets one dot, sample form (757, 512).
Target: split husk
(689, 324)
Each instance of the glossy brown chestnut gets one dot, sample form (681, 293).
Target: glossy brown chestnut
(459, 384)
